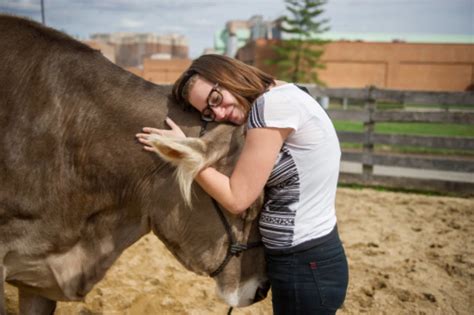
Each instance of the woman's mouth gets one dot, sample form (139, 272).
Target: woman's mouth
(233, 116)
(230, 115)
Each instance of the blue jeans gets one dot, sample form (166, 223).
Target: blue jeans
(313, 281)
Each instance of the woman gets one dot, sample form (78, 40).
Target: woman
(291, 150)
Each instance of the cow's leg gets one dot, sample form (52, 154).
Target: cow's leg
(34, 304)
(2, 292)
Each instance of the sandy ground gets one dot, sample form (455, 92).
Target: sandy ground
(408, 254)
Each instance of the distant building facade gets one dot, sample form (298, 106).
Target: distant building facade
(164, 71)
(418, 65)
(161, 71)
(106, 49)
(237, 33)
(395, 61)
(132, 48)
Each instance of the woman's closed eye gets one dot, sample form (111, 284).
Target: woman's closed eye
(215, 99)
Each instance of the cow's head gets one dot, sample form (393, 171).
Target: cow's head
(198, 237)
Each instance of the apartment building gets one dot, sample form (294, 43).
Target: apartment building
(237, 33)
(132, 48)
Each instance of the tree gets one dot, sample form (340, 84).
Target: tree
(298, 57)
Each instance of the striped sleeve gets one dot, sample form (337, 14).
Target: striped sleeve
(274, 110)
(256, 115)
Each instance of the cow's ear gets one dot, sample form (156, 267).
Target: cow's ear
(178, 151)
(187, 154)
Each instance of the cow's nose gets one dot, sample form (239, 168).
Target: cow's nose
(262, 292)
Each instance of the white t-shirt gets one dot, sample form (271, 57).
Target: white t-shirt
(300, 194)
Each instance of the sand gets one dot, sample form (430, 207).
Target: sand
(408, 254)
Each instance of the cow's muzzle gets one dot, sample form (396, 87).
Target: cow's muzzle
(262, 292)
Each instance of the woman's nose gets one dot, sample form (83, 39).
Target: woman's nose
(219, 111)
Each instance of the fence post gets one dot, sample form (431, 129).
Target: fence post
(368, 146)
(324, 102)
(345, 102)
(445, 107)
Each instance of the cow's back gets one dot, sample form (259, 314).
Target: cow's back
(57, 114)
(75, 186)
(70, 167)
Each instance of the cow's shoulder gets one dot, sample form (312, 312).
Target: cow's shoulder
(68, 275)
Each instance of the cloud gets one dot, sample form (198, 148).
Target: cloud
(21, 7)
(130, 23)
(198, 20)
(170, 29)
(132, 6)
(202, 22)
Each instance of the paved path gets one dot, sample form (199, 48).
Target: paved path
(354, 167)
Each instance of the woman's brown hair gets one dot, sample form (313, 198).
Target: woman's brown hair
(245, 82)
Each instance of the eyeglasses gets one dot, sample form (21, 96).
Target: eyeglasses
(214, 99)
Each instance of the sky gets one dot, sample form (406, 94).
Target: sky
(199, 20)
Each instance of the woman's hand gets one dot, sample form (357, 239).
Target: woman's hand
(175, 131)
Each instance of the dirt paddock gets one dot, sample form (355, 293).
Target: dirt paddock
(408, 254)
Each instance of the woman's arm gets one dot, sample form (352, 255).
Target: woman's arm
(237, 192)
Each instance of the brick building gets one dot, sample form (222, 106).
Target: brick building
(163, 71)
(392, 65)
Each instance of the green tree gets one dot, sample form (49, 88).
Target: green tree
(298, 58)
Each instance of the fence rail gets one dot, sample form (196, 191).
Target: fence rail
(403, 116)
(370, 116)
(397, 96)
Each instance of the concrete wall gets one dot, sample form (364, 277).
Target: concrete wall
(397, 65)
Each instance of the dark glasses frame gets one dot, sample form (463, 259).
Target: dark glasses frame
(207, 113)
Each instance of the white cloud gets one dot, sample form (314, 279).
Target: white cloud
(131, 23)
(202, 22)
(20, 6)
(198, 20)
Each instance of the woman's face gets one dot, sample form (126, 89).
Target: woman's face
(203, 93)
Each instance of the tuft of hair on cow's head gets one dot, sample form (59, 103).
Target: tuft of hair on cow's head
(188, 155)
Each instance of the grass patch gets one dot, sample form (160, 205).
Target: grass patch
(351, 126)
(420, 129)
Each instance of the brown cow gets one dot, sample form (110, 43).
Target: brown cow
(75, 187)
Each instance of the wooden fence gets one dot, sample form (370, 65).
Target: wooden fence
(370, 116)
